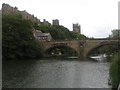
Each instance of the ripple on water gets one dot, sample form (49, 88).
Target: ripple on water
(56, 74)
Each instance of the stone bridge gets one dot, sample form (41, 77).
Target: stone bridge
(82, 47)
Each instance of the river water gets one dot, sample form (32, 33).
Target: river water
(55, 74)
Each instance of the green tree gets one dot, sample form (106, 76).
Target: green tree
(78, 36)
(18, 41)
(60, 32)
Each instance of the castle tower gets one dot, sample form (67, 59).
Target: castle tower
(77, 28)
(55, 22)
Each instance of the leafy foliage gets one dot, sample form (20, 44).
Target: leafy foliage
(60, 32)
(78, 36)
(18, 41)
(115, 70)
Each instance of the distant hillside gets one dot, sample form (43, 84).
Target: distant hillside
(61, 32)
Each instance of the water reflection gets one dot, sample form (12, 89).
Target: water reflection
(101, 57)
(55, 74)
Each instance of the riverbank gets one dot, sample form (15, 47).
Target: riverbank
(115, 70)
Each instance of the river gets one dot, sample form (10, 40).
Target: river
(55, 74)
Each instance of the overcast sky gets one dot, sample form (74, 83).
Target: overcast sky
(96, 17)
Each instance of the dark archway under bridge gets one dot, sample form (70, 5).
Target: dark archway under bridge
(60, 50)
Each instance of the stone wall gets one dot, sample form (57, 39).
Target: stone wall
(7, 9)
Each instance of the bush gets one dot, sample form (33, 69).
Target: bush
(115, 70)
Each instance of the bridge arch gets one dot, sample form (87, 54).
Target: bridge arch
(100, 45)
(62, 47)
(82, 47)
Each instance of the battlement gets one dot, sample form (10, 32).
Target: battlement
(7, 9)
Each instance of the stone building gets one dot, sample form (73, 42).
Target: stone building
(76, 28)
(46, 22)
(26, 15)
(7, 9)
(55, 22)
(42, 36)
